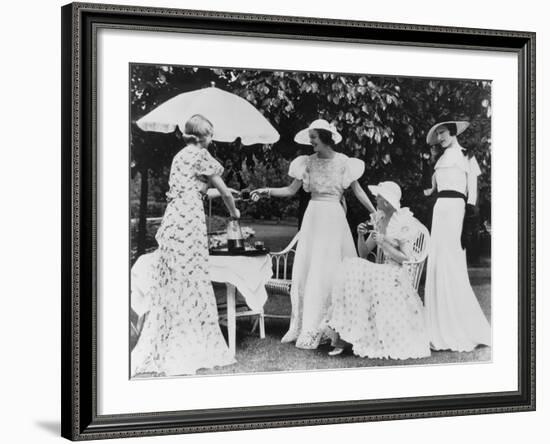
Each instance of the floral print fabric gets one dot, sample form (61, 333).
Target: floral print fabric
(181, 332)
(374, 306)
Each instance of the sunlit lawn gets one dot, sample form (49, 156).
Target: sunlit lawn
(270, 355)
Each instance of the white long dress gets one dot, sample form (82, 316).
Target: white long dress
(453, 315)
(325, 240)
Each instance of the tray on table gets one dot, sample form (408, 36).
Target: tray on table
(248, 251)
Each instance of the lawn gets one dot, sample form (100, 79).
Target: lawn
(270, 355)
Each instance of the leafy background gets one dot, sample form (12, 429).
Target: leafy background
(383, 121)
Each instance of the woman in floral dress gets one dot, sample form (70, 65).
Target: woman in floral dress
(181, 333)
(325, 238)
(374, 307)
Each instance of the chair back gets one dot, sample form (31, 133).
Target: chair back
(280, 259)
(421, 243)
(420, 251)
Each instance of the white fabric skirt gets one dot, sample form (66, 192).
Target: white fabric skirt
(325, 240)
(454, 317)
(375, 308)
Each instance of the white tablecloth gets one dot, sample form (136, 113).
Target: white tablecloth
(248, 274)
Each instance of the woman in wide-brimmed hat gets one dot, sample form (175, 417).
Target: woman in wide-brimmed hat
(374, 307)
(325, 237)
(454, 317)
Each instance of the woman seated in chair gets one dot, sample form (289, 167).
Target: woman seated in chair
(374, 306)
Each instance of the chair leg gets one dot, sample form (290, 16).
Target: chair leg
(261, 321)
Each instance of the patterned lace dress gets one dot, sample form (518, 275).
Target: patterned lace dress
(374, 306)
(181, 332)
(325, 240)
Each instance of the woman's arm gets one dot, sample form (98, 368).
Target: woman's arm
(364, 247)
(287, 191)
(389, 250)
(473, 171)
(362, 196)
(225, 194)
(430, 191)
(213, 193)
(472, 188)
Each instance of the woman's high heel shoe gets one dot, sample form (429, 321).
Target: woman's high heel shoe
(336, 351)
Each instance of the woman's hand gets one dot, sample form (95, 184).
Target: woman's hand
(428, 192)
(236, 214)
(362, 228)
(257, 194)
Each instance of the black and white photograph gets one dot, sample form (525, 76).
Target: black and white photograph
(296, 221)
(276, 221)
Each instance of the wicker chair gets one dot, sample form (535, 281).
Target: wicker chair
(415, 266)
(281, 281)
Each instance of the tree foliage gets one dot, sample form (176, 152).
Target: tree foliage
(383, 121)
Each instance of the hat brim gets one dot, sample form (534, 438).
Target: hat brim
(431, 137)
(303, 136)
(379, 191)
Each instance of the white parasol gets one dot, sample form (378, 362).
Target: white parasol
(231, 115)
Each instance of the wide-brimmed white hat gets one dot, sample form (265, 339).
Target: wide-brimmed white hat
(320, 124)
(389, 191)
(461, 126)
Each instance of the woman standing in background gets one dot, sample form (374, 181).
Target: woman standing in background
(454, 317)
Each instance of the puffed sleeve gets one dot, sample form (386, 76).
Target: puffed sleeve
(206, 165)
(354, 170)
(403, 227)
(473, 172)
(297, 168)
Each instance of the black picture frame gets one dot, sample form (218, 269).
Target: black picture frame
(80, 420)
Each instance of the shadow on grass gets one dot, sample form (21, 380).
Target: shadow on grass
(255, 355)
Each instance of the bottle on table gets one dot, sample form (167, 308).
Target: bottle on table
(235, 240)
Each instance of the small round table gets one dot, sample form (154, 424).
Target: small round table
(247, 274)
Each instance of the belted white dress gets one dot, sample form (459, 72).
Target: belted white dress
(453, 314)
(325, 240)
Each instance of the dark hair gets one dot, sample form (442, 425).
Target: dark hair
(451, 127)
(325, 136)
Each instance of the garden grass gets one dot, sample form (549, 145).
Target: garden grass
(255, 355)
